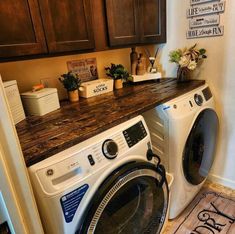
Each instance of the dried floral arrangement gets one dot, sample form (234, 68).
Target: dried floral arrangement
(188, 57)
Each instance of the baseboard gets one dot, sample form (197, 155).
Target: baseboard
(222, 181)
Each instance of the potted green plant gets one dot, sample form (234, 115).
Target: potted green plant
(71, 83)
(118, 73)
(187, 60)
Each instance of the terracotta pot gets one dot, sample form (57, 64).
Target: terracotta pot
(118, 84)
(183, 74)
(73, 96)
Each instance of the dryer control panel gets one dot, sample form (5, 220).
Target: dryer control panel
(207, 93)
(192, 101)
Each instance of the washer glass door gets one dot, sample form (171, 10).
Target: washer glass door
(198, 155)
(135, 203)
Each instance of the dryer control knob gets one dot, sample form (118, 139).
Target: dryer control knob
(198, 99)
(110, 149)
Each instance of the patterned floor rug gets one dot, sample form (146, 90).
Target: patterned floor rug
(210, 213)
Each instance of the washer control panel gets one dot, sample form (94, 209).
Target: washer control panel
(134, 134)
(76, 164)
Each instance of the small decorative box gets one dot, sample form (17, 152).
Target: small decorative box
(40, 102)
(96, 87)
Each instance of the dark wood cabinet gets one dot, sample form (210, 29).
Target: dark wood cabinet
(29, 27)
(33, 27)
(152, 20)
(67, 24)
(122, 19)
(99, 25)
(21, 31)
(136, 21)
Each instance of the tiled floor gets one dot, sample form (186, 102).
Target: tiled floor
(208, 185)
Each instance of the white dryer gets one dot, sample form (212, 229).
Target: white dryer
(110, 183)
(184, 132)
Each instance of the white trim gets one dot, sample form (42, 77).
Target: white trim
(11, 208)
(223, 181)
(15, 179)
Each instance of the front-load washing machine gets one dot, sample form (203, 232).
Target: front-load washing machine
(111, 183)
(184, 133)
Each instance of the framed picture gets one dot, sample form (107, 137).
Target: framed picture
(85, 68)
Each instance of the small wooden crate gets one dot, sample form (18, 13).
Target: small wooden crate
(95, 87)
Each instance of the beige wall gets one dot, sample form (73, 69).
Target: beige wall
(30, 72)
(219, 72)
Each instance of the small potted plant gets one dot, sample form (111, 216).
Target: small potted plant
(118, 73)
(71, 82)
(187, 60)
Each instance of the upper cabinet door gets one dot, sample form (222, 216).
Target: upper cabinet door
(67, 24)
(21, 30)
(152, 21)
(122, 19)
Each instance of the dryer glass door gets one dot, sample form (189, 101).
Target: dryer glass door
(199, 150)
(135, 203)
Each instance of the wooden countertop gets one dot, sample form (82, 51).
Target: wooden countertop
(42, 137)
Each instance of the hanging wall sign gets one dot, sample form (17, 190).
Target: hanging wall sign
(204, 18)
(194, 2)
(206, 9)
(205, 32)
(202, 21)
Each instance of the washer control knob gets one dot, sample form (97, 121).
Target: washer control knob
(198, 99)
(110, 149)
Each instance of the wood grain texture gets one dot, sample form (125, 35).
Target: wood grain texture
(42, 137)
